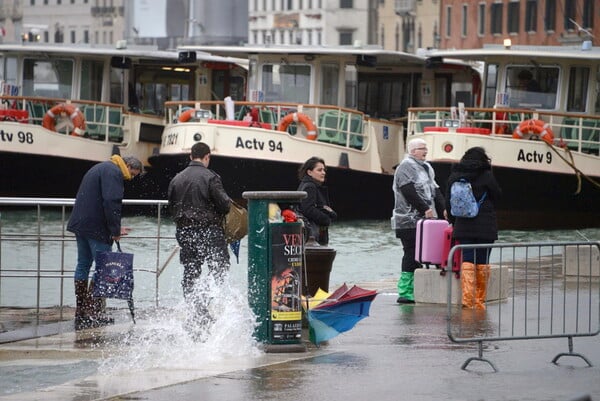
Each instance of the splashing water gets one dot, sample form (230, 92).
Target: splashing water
(180, 338)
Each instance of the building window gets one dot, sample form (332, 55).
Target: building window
(531, 16)
(550, 17)
(448, 21)
(496, 19)
(481, 20)
(345, 37)
(58, 2)
(465, 22)
(73, 37)
(346, 3)
(570, 15)
(397, 38)
(588, 14)
(86, 36)
(382, 38)
(512, 22)
(290, 5)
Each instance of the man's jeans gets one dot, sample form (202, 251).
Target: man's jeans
(86, 254)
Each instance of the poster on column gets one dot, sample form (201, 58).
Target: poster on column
(286, 268)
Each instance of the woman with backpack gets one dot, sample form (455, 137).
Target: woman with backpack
(476, 168)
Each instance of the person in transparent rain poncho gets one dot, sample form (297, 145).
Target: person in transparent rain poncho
(416, 196)
(198, 205)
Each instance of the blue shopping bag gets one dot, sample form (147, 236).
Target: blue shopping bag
(114, 275)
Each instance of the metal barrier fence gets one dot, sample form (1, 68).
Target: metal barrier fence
(38, 247)
(535, 291)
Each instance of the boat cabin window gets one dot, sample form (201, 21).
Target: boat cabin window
(91, 80)
(286, 83)
(597, 92)
(491, 86)
(8, 75)
(351, 83)
(532, 87)
(578, 89)
(329, 84)
(48, 78)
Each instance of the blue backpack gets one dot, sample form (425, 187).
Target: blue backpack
(462, 200)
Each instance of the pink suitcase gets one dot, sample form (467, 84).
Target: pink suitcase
(430, 241)
(449, 242)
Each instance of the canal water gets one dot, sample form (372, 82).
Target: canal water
(366, 251)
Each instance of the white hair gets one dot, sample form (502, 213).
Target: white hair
(415, 143)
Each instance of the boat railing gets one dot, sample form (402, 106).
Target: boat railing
(335, 125)
(103, 121)
(574, 131)
(38, 254)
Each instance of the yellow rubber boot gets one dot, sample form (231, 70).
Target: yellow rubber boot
(483, 275)
(467, 281)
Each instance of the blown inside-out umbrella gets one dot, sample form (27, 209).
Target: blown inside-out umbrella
(338, 312)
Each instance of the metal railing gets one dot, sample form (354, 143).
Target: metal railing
(541, 290)
(48, 238)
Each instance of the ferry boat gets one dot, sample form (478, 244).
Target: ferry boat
(537, 114)
(336, 103)
(65, 108)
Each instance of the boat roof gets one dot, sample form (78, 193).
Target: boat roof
(149, 52)
(512, 53)
(384, 57)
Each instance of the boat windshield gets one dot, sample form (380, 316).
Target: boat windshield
(286, 83)
(48, 78)
(532, 87)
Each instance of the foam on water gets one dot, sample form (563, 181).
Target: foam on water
(176, 338)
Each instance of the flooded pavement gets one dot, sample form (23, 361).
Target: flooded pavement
(400, 352)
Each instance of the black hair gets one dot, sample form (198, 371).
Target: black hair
(310, 164)
(476, 153)
(199, 150)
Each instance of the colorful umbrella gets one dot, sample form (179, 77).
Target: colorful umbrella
(338, 312)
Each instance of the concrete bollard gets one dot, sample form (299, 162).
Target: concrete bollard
(431, 287)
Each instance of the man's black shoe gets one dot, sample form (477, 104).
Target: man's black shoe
(402, 300)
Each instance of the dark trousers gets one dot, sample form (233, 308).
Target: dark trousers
(200, 245)
(408, 237)
(478, 256)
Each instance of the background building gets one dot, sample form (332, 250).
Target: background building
(408, 25)
(312, 22)
(473, 23)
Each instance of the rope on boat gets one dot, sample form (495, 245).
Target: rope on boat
(571, 163)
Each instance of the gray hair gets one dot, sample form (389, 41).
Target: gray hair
(415, 143)
(134, 163)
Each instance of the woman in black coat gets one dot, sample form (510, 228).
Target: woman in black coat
(315, 207)
(475, 166)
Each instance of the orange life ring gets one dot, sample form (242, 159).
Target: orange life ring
(186, 115)
(311, 129)
(537, 127)
(65, 110)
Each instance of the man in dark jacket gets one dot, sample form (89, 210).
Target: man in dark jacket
(198, 205)
(96, 223)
